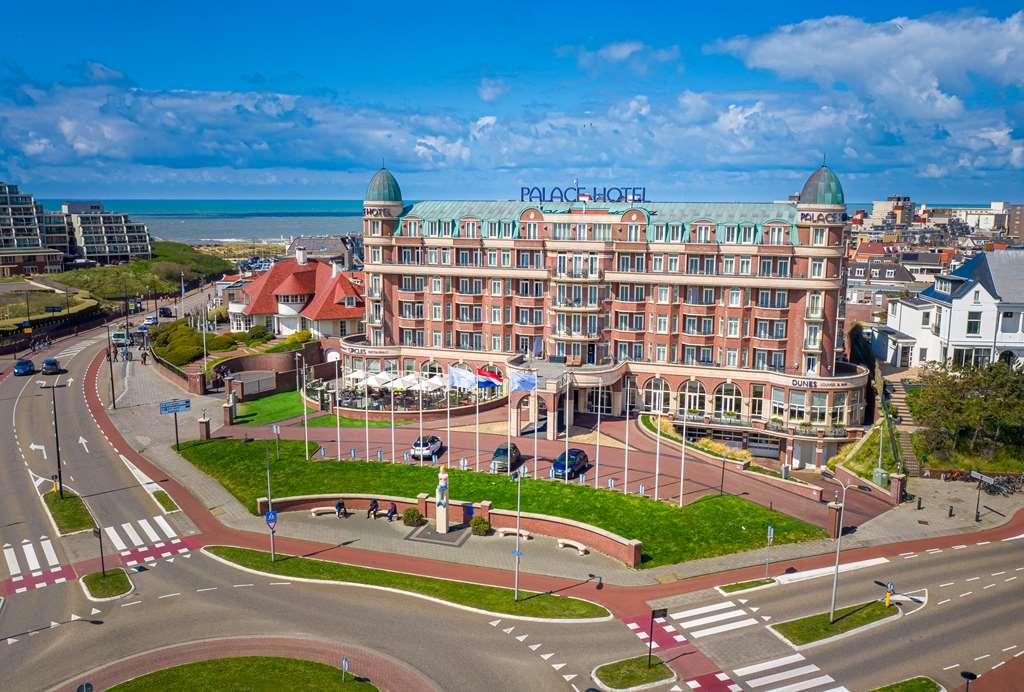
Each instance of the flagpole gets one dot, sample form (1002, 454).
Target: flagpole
(366, 413)
(419, 386)
(305, 410)
(394, 457)
(565, 468)
(337, 407)
(536, 424)
(625, 484)
(597, 452)
(508, 428)
(682, 458)
(448, 409)
(657, 450)
(477, 401)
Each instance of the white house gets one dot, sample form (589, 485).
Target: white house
(972, 315)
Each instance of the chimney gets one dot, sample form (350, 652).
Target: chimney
(334, 270)
(300, 255)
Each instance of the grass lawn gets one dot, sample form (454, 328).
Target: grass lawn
(165, 501)
(744, 585)
(264, 673)
(269, 409)
(865, 460)
(70, 514)
(490, 598)
(921, 683)
(632, 672)
(714, 525)
(114, 584)
(815, 627)
(1002, 460)
(765, 471)
(328, 422)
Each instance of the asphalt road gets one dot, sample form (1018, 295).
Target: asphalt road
(966, 614)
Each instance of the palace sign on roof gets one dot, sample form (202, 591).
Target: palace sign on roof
(582, 194)
(822, 217)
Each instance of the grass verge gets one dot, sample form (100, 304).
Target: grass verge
(269, 409)
(267, 673)
(70, 514)
(632, 672)
(328, 422)
(713, 525)
(744, 585)
(165, 501)
(115, 583)
(864, 461)
(815, 627)
(490, 598)
(921, 683)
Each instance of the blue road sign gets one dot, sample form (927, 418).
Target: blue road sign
(271, 518)
(174, 406)
(53, 308)
(517, 552)
(344, 664)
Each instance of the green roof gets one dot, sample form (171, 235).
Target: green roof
(822, 187)
(383, 188)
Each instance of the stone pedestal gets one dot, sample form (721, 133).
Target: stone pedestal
(441, 517)
(229, 413)
(834, 527)
(204, 428)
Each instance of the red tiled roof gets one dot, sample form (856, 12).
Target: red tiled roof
(263, 288)
(301, 282)
(331, 292)
(314, 278)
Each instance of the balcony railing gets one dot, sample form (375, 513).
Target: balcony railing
(814, 314)
(812, 344)
(578, 274)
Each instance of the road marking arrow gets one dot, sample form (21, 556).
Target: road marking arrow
(82, 441)
(38, 448)
(54, 624)
(766, 618)
(508, 629)
(494, 623)
(94, 611)
(534, 647)
(11, 640)
(522, 637)
(74, 617)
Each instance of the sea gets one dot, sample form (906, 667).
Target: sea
(199, 221)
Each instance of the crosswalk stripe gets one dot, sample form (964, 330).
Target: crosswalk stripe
(115, 538)
(805, 684)
(165, 527)
(148, 528)
(723, 628)
(30, 556)
(133, 535)
(51, 556)
(12, 561)
(767, 665)
(704, 609)
(718, 617)
(784, 675)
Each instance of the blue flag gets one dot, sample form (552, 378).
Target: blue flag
(522, 381)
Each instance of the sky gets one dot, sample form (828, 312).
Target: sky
(474, 100)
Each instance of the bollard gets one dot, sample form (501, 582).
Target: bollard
(643, 489)
(352, 453)
(951, 511)
(919, 502)
(611, 484)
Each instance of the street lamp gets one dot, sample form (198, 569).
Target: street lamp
(839, 538)
(270, 500)
(56, 435)
(518, 476)
(110, 365)
(969, 677)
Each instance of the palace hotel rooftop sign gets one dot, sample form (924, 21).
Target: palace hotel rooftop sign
(582, 194)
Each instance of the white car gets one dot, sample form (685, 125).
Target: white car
(150, 320)
(425, 447)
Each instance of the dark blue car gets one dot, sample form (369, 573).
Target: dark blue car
(24, 367)
(577, 464)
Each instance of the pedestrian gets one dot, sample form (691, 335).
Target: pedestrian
(114, 354)
(339, 508)
(372, 510)
(392, 512)
(144, 355)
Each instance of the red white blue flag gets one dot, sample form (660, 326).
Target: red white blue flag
(485, 378)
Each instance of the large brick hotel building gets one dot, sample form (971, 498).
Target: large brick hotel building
(725, 313)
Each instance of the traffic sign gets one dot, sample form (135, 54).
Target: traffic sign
(344, 664)
(771, 534)
(276, 429)
(271, 517)
(53, 308)
(890, 586)
(982, 477)
(26, 323)
(517, 552)
(174, 406)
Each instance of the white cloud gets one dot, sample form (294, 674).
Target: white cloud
(616, 52)
(99, 73)
(694, 107)
(491, 89)
(637, 55)
(631, 110)
(482, 124)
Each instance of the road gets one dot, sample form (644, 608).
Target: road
(965, 614)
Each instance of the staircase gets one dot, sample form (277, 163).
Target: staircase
(906, 426)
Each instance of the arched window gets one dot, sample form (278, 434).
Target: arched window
(430, 369)
(691, 398)
(728, 400)
(657, 395)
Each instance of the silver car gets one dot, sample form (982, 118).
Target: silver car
(425, 447)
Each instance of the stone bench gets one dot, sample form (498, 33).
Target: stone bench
(509, 531)
(566, 543)
(317, 511)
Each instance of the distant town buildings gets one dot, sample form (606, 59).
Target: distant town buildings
(34, 241)
(1015, 223)
(346, 251)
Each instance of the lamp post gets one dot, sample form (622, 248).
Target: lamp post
(839, 538)
(682, 459)
(337, 409)
(56, 433)
(270, 501)
(110, 365)
(517, 552)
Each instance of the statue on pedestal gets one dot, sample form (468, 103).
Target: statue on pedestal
(441, 500)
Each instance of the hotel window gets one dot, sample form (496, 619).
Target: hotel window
(659, 233)
(782, 267)
(747, 235)
(435, 285)
(506, 229)
(703, 234)
(728, 265)
(731, 236)
(757, 401)
(435, 311)
(663, 294)
(811, 365)
(973, 323)
(838, 408)
(436, 337)
(506, 258)
(733, 329)
(531, 230)
(375, 227)
(730, 358)
(818, 236)
(675, 233)
(745, 266)
(764, 298)
(603, 231)
(735, 297)
(690, 325)
(446, 256)
(779, 329)
(707, 326)
(781, 298)
(692, 265)
(658, 263)
(709, 266)
(776, 236)
(495, 315)
(797, 406)
(819, 407)
(762, 329)
(778, 402)
(708, 297)
(411, 228)
(779, 361)
(639, 264)
(496, 343)
(633, 233)
(673, 264)
(977, 297)
(662, 324)
(492, 229)
(471, 229)
(492, 258)
(661, 353)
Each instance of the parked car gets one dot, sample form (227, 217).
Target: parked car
(425, 447)
(502, 459)
(574, 464)
(121, 339)
(165, 312)
(51, 366)
(150, 320)
(24, 367)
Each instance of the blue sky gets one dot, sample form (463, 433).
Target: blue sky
(303, 100)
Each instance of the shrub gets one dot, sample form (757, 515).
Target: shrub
(257, 331)
(479, 526)
(221, 342)
(412, 517)
(724, 450)
(299, 337)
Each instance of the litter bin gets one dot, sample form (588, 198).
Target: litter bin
(881, 477)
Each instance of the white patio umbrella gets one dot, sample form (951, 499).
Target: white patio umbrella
(380, 379)
(430, 385)
(356, 376)
(406, 382)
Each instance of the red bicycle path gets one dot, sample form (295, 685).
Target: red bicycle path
(623, 601)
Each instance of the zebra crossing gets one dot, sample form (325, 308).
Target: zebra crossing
(74, 349)
(792, 673)
(145, 540)
(715, 618)
(30, 568)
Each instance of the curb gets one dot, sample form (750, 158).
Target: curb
(730, 594)
(645, 686)
(94, 599)
(835, 637)
(479, 611)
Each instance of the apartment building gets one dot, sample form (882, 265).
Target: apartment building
(970, 316)
(104, 236)
(1015, 223)
(724, 311)
(22, 247)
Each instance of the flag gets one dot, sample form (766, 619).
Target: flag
(522, 381)
(486, 378)
(461, 378)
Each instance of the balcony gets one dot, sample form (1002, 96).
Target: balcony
(726, 419)
(469, 319)
(469, 298)
(574, 306)
(408, 292)
(813, 313)
(689, 417)
(576, 336)
(577, 275)
(527, 301)
(812, 344)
